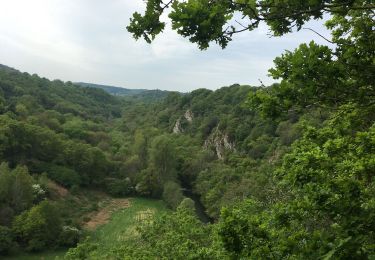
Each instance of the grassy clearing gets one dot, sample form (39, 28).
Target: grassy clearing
(123, 222)
(121, 226)
(103, 215)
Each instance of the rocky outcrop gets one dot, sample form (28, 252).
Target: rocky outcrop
(219, 142)
(177, 127)
(188, 116)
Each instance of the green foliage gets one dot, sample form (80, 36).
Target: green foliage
(330, 205)
(179, 235)
(319, 201)
(188, 204)
(140, 147)
(211, 184)
(149, 25)
(6, 240)
(204, 21)
(290, 167)
(119, 187)
(259, 146)
(201, 21)
(163, 158)
(314, 75)
(172, 194)
(120, 231)
(241, 231)
(288, 132)
(38, 227)
(69, 236)
(62, 175)
(16, 192)
(82, 251)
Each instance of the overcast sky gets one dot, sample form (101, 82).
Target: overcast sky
(86, 40)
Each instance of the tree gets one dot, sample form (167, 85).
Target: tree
(119, 187)
(329, 211)
(188, 204)
(39, 227)
(205, 21)
(2, 103)
(6, 240)
(62, 175)
(16, 191)
(318, 76)
(172, 194)
(163, 158)
(327, 176)
(140, 147)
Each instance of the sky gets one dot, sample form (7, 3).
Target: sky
(87, 41)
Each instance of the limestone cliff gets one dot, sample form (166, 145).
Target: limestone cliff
(177, 129)
(188, 116)
(219, 142)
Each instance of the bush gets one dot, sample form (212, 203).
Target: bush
(172, 194)
(39, 193)
(69, 236)
(187, 204)
(6, 215)
(119, 187)
(83, 250)
(6, 240)
(38, 227)
(74, 189)
(64, 176)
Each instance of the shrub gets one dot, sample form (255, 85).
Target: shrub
(83, 251)
(172, 194)
(119, 187)
(6, 215)
(38, 192)
(187, 204)
(64, 176)
(74, 189)
(6, 240)
(69, 236)
(38, 227)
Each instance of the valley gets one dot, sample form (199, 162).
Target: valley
(90, 175)
(282, 170)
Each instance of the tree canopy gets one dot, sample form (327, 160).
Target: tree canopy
(206, 21)
(324, 202)
(286, 171)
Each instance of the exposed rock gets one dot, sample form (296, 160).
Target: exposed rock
(189, 116)
(219, 142)
(177, 127)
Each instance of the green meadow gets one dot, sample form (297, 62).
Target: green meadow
(123, 222)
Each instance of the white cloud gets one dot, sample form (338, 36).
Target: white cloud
(86, 40)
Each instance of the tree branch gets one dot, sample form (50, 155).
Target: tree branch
(306, 28)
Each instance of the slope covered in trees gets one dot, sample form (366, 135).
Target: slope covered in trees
(144, 94)
(285, 171)
(320, 203)
(207, 142)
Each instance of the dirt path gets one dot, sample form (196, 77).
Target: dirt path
(103, 215)
(57, 190)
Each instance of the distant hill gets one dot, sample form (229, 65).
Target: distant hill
(143, 94)
(6, 68)
(36, 93)
(117, 91)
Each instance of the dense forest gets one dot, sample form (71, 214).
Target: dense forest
(281, 172)
(135, 93)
